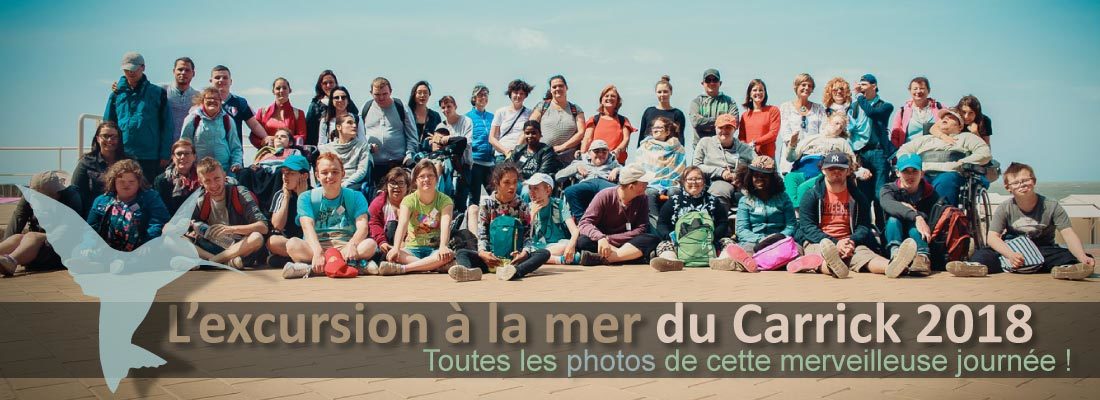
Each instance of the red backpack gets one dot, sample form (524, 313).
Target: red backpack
(234, 199)
(952, 231)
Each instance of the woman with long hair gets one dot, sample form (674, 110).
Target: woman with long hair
(106, 151)
(425, 118)
(339, 105)
(759, 125)
(318, 106)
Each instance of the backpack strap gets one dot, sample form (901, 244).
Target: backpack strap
(396, 102)
(204, 208)
(225, 125)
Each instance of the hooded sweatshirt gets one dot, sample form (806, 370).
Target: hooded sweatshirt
(211, 138)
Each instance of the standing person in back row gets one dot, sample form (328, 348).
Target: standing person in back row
(237, 107)
(507, 130)
(481, 150)
(869, 117)
(389, 128)
(140, 109)
(705, 109)
(180, 93)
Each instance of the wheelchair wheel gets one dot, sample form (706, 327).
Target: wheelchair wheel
(980, 214)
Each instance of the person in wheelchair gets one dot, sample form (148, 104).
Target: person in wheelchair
(806, 155)
(945, 150)
(662, 155)
(586, 176)
(446, 152)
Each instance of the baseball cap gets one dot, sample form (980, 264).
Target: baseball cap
(49, 182)
(764, 164)
(296, 162)
(869, 79)
(538, 178)
(725, 120)
(633, 173)
(132, 60)
(950, 111)
(910, 160)
(711, 72)
(835, 159)
(598, 144)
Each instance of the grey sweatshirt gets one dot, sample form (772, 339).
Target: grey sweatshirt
(712, 158)
(396, 139)
(356, 157)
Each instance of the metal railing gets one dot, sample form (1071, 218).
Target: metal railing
(79, 148)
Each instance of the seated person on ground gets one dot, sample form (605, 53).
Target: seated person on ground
(703, 227)
(1034, 217)
(552, 225)
(596, 171)
(423, 228)
(227, 223)
(504, 242)
(24, 239)
(909, 203)
(179, 180)
(764, 215)
(662, 155)
(385, 207)
(944, 152)
(331, 216)
(284, 208)
(129, 214)
(719, 157)
(834, 222)
(615, 226)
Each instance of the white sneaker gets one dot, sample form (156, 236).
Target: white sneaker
(464, 274)
(505, 272)
(293, 270)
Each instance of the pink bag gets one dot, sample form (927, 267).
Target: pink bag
(776, 255)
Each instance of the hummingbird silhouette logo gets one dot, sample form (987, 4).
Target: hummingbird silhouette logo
(126, 283)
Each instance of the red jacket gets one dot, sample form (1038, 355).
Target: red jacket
(377, 220)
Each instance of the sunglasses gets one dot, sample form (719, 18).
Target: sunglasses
(711, 80)
(339, 97)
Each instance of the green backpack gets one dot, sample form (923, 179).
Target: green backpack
(695, 238)
(505, 233)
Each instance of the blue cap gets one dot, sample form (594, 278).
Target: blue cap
(910, 160)
(296, 162)
(869, 78)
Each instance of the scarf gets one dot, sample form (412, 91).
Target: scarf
(665, 159)
(182, 186)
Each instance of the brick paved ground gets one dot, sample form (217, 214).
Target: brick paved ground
(630, 283)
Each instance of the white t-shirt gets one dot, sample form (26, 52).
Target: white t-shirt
(503, 118)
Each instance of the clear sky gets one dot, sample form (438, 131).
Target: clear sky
(1033, 65)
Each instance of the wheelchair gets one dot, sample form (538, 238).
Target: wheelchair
(974, 201)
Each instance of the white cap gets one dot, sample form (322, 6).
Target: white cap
(539, 178)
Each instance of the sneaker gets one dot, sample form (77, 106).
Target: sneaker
(964, 269)
(921, 266)
(808, 262)
(7, 265)
(464, 274)
(387, 268)
(662, 264)
(293, 270)
(504, 272)
(901, 260)
(722, 264)
(745, 262)
(445, 267)
(589, 259)
(834, 265)
(236, 262)
(1074, 272)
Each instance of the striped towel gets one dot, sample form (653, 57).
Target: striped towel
(1033, 259)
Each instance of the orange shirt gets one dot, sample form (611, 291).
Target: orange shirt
(836, 215)
(760, 126)
(610, 131)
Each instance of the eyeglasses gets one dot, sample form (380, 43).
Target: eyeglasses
(803, 122)
(696, 180)
(1021, 182)
(108, 137)
(397, 183)
(339, 97)
(182, 154)
(657, 129)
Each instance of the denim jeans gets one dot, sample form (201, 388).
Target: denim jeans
(875, 161)
(534, 260)
(479, 178)
(898, 230)
(580, 194)
(948, 185)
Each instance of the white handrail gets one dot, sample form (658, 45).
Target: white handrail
(80, 129)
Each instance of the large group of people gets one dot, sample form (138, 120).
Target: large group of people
(394, 187)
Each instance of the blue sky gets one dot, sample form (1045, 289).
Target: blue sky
(1032, 65)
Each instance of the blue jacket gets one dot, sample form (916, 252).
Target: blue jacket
(142, 116)
(212, 140)
(151, 214)
(877, 134)
(758, 219)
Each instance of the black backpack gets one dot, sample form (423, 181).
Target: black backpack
(400, 111)
(596, 121)
(461, 238)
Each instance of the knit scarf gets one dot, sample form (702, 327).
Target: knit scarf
(182, 185)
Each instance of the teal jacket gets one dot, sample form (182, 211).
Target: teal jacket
(758, 219)
(142, 117)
